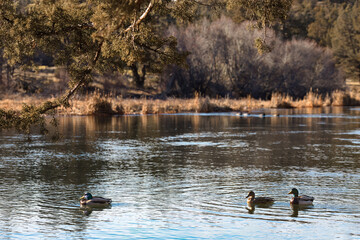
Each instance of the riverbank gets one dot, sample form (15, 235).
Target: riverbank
(97, 104)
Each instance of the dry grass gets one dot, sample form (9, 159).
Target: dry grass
(97, 104)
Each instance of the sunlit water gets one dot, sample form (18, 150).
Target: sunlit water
(185, 177)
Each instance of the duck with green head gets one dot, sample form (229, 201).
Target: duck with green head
(301, 200)
(89, 200)
(251, 199)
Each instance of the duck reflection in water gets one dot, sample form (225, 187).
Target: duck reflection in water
(261, 202)
(251, 206)
(87, 210)
(296, 208)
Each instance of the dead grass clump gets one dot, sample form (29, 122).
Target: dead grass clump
(312, 100)
(337, 98)
(127, 109)
(355, 98)
(228, 104)
(327, 100)
(279, 100)
(100, 105)
(341, 98)
(172, 105)
(119, 109)
(201, 104)
(157, 109)
(146, 108)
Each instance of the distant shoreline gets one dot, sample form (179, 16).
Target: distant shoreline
(97, 104)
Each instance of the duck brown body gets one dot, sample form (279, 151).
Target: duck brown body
(89, 200)
(251, 199)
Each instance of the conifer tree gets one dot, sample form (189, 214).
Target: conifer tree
(264, 13)
(346, 40)
(325, 16)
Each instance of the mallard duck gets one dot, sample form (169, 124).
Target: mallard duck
(251, 199)
(89, 200)
(302, 200)
(244, 114)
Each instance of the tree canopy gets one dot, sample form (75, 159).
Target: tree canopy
(265, 13)
(86, 37)
(345, 40)
(332, 24)
(94, 36)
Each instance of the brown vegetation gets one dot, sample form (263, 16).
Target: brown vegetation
(96, 104)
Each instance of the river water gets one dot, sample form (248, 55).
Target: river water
(185, 176)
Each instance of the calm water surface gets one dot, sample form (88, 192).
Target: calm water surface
(185, 177)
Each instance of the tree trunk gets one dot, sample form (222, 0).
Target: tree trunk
(1, 77)
(139, 80)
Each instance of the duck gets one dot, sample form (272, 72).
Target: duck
(88, 200)
(244, 114)
(251, 199)
(300, 200)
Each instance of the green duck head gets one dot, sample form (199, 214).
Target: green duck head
(251, 194)
(295, 192)
(87, 196)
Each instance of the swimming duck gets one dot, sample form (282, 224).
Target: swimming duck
(302, 200)
(88, 199)
(251, 199)
(244, 114)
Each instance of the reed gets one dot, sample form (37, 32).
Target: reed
(341, 98)
(202, 104)
(108, 104)
(279, 100)
(101, 105)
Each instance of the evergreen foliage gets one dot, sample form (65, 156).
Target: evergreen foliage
(86, 37)
(332, 24)
(265, 13)
(346, 40)
(300, 16)
(325, 16)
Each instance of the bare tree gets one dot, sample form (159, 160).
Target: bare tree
(224, 61)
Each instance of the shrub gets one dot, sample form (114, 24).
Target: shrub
(100, 105)
(224, 61)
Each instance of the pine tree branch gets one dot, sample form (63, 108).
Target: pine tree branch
(141, 18)
(63, 101)
(8, 20)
